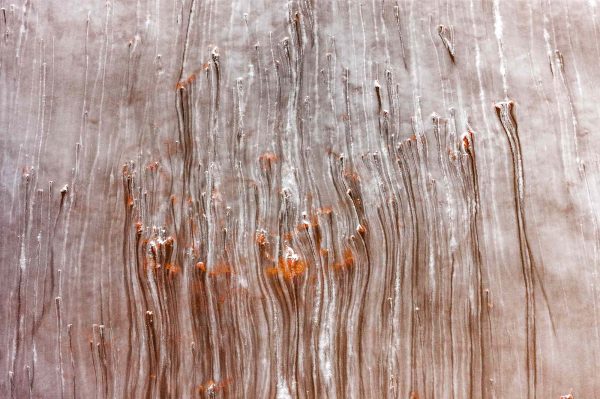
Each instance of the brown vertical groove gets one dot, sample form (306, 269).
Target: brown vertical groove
(507, 119)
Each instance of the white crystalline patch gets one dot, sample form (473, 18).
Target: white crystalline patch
(325, 360)
(283, 391)
(22, 259)
(290, 254)
(498, 24)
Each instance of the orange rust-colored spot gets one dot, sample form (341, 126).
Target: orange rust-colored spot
(288, 268)
(361, 229)
(452, 154)
(261, 238)
(183, 83)
(338, 266)
(269, 156)
(211, 388)
(324, 252)
(173, 268)
(201, 266)
(153, 166)
(314, 220)
(348, 258)
(130, 200)
(466, 143)
(173, 199)
(302, 227)
(414, 395)
(291, 267)
(207, 387)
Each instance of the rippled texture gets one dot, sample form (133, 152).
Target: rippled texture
(307, 199)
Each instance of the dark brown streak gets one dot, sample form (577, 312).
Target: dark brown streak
(504, 111)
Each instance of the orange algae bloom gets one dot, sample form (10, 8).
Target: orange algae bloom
(289, 266)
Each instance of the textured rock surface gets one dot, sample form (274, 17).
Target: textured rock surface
(305, 199)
